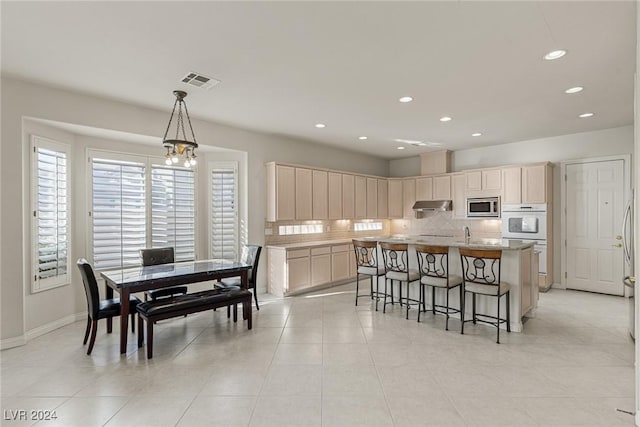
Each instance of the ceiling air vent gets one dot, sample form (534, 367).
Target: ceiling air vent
(198, 80)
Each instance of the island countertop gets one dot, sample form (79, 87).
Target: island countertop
(503, 244)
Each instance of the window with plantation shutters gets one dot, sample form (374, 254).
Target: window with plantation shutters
(173, 210)
(224, 211)
(118, 213)
(50, 206)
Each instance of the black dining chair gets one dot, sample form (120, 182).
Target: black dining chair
(158, 256)
(250, 255)
(97, 309)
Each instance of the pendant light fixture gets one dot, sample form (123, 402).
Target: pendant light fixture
(180, 148)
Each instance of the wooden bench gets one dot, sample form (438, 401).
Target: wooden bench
(152, 311)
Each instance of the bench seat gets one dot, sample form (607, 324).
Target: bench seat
(152, 311)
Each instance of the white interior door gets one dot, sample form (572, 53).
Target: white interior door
(595, 204)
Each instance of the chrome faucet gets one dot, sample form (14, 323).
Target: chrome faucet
(467, 234)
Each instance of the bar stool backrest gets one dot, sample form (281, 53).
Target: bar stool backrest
(366, 253)
(481, 266)
(395, 257)
(433, 261)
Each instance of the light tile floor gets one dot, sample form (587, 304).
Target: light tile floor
(317, 360)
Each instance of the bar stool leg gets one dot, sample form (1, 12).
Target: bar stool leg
(357, 286)
(498, 320)
(474, 309)
(462, 309)
(433, 300)
(508, 312)
(384, 306)
(408, 305)
(446, 323)
(371, 285)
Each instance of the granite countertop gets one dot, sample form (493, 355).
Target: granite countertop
(503, 244)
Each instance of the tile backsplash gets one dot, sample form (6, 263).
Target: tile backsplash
(443, 224)
(333, 230)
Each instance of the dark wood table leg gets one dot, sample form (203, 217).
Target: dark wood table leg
(124, 319)
(109, 295)
(244, 284)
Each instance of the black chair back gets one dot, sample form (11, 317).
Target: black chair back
(251, 255)
(90, 287)
(481, 266)
(157, 256)
(366, 253)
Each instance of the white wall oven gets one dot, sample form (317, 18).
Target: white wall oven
(527, 222)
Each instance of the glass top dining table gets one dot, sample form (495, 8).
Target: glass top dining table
(129, 280)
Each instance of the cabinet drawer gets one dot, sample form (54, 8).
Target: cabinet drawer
(340, 248)
(298, 253)
(321, 251)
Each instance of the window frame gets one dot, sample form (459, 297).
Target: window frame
(41, 285)
(149, 161)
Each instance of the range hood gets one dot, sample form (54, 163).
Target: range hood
(432, 205)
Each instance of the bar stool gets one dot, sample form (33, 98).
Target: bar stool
(367, 263)
(481, 276)
(396, 265)
(433, 265)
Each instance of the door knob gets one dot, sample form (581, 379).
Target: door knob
(618, 237)
(619, 245)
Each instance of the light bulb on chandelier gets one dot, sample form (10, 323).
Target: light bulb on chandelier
(180, 146)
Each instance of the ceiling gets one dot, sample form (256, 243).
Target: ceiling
(285, 66)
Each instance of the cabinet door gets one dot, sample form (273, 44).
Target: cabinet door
(335, 195)
(372, 198)
(424, 188)
(492, 180)
(361, 196)
(458, 193)
(383, 201)
(474, 180)
(534, 184)
(339, 266)
(320, 194)
(395, 198)
(511, 185)
(353, 268)
(298, 273)
(348, 197)
(285, 193)
(442, 187)
(408, 197)
(303, 193)
(320, 269)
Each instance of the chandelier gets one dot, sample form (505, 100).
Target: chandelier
(180, 147)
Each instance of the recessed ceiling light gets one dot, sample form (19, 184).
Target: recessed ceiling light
(574, 89)
(362, 138)
(555, 54)
(445, 119)
(320, 125)
(405, 99)
(585, 115)
(476, 134)
(401, 148)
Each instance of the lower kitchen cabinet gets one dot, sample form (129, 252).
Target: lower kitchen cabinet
(294, 269)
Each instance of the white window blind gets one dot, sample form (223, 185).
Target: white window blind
(173, 210)
(50, 202)
(224, 213)
(118, 213)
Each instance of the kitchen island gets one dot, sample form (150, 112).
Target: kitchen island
(302, 267)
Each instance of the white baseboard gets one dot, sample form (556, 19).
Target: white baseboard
(12, 342)
(41, 330)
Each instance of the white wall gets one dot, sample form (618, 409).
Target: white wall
(27, 100)
(409, 166)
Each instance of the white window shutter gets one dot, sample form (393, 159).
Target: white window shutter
(50, 204)
(224, 213)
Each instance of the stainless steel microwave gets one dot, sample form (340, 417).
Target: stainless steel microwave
(484, 207)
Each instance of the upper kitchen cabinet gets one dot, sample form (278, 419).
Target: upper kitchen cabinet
(361, 196)
(335, 195)
(424, 188)
(484, 182)
(372, 198)
(536, 183)
(459, 195)
(383, 198)
(280, 192)
(442, 187)
(527, 184)
(303, 193)
(348, 197)
(395, 198)
(320, 194)
(408, 197)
